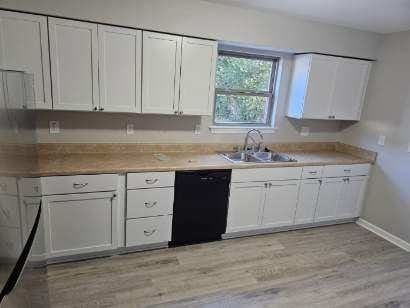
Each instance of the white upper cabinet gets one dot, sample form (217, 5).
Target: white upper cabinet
(178, 74)
(161, 73)
(119, 69)
(24, 47)
(74, 64)
(197, 85)
(350, 88)
(327, 87)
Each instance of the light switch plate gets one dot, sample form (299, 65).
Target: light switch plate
(382, 140)
(130, 129)
(305, 131)
(54, 127)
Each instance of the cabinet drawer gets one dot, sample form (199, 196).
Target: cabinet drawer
(265, 174)
(79, 184)
(30, 187)
(9, 211)
(8, 185)
(149, 202)
(150, 179)
(312, 172)
(346, 170)
(148, 230)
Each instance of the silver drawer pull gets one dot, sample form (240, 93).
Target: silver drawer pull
(151, 181)
(150, 204)
(313, 172)
(149, 233)
(347, 170)
(5, 213)
(79, 185)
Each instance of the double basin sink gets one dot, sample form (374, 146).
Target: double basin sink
(257, 157)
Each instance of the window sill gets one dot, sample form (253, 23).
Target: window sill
(216, 129)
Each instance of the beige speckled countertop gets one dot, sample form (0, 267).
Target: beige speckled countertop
(67, 160)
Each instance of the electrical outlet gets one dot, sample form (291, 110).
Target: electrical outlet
(305, 131)
(197, 129)
(382, 140)
(130, 129)
(54, 127)
(408, 147)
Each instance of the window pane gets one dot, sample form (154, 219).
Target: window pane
(241, 109)
(243, 73)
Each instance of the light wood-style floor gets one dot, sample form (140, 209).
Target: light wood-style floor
(337, 266)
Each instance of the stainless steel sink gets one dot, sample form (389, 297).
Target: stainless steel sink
(257, 157)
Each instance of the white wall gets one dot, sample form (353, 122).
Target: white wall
(204, 19)
(387, 112)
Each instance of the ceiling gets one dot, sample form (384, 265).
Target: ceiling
(381, 16)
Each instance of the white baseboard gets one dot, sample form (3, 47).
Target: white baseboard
(384, 234)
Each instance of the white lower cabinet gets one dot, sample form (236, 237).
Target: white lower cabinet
(245, 206)
(280, 203)
(266, 198)
(329, 196)
(29, 213)
(80, 223)
(149, 230)
(351, 197)
(150, 199)
(294, 197)
(307, 201)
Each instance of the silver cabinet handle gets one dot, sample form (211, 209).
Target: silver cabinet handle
(3, 187)
(320, 182)
(347, 170)
(346, 180)
(313, 172)
(151, 181)
(79, 185)
(149, 233)
(150, 204)
(5, 213)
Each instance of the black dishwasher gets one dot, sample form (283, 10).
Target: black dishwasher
(200, 206)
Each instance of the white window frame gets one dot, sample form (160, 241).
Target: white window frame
(270, 94)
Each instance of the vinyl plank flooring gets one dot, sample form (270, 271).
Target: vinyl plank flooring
(334, 266)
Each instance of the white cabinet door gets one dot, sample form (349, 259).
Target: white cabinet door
(80, 223)
(280, 203)
(14, 87)
(351, 198)
(350, 87)
(320, 87)
(74, 64)
(329, 198)
(307, 201)
(119, 69)
(245, 206)
(29, 212)
(161, 73)
(9, 211)
(197, 85)
(24, 47)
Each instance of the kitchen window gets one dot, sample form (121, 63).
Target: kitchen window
(244, 93)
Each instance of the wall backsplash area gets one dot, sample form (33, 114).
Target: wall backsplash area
(84, 127)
